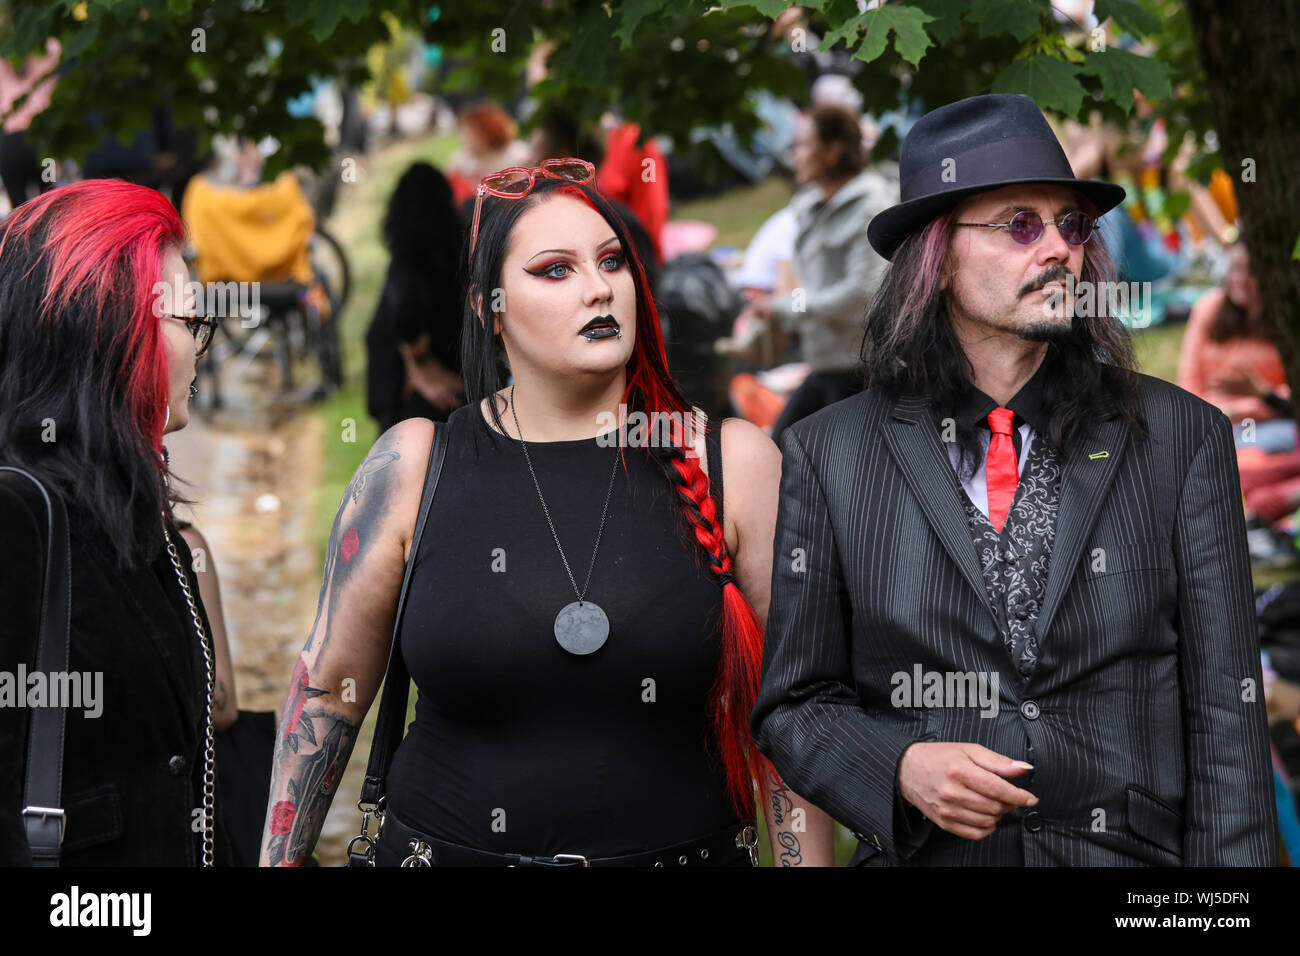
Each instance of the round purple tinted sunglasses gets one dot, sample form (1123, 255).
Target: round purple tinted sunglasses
(1076, 228)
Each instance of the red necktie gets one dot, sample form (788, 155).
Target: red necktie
(1001, 472)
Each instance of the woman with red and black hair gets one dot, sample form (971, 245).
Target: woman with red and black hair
(93, 373)
(584, 618)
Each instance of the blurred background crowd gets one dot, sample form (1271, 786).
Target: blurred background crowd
(757, 256)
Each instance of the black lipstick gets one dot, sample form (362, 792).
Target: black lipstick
(601, 327)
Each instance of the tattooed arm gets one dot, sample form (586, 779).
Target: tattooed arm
(343, 661)
(801, 834)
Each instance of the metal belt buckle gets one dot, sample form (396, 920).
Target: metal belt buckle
(578, 857)
(45, 813)
(421, 854)
(747, 839)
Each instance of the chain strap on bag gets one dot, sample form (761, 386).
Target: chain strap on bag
(209, 748)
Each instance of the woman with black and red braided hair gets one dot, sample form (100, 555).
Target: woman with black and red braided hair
(585, 608)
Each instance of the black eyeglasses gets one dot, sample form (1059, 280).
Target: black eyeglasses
(201, 327)
(1076, 228)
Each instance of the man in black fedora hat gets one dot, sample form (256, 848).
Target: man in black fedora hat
(1011, 617)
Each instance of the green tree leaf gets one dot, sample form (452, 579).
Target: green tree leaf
(328, 15)
(81, 39)
(632, 12)
(847, 31)
(1127, 16)
(906, 23)
(768, 8)
(1121, 71)
(1021, 18)
(947, 17)
(1052, 83)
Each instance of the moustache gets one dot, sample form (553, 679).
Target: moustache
(1056, 273)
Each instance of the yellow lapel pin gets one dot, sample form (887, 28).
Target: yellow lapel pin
(1099, 454)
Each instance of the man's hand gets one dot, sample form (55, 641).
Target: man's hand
(961, 787)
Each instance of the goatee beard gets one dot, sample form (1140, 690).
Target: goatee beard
(1047, 331)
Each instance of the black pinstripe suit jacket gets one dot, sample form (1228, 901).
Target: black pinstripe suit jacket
(1145, 711)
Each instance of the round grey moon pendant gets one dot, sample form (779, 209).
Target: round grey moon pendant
(581, 627)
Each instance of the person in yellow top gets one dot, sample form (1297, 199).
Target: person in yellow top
(250, 235)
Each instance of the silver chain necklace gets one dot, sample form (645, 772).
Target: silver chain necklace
(581, 627)
(209, 759)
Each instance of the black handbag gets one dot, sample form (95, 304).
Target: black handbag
(390, 722)
(244, 758)
(43, 817)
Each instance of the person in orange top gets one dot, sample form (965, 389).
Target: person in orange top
(1227, 358)
(625, 175)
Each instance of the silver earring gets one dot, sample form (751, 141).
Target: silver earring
(168, 419)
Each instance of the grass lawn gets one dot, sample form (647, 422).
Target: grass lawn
(737, 213)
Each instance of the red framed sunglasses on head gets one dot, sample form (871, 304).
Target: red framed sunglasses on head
(516, 181)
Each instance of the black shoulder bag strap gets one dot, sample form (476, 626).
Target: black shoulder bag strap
(391, 720)
(713, 448)
(43, 816)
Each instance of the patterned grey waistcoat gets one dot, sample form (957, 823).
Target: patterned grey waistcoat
(1015, 563)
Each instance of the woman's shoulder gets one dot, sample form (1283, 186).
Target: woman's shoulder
(742, 443)
(406, 445)
(394, 470)
(749, 472)
(745, 446)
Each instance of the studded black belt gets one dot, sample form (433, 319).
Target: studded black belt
(400, 845)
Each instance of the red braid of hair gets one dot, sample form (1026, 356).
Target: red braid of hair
(735, 686)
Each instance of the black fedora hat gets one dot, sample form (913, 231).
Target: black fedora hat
(972, 146)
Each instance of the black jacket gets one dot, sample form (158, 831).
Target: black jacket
(1144, 714)
(131, 776)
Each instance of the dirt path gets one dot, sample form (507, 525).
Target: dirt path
(253, 471)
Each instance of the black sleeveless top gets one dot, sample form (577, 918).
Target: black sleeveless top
(519, 746)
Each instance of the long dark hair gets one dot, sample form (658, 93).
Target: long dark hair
(83, 365)
(1230, 320)
(422, 223)
(909, 347)
(650, 389)
(835, 124)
